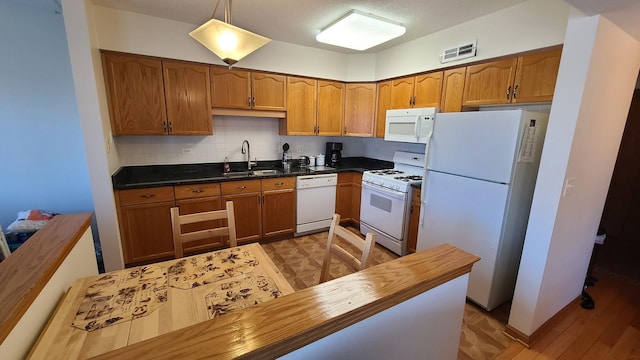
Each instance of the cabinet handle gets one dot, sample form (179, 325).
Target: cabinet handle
(170, 127)
(147, 196)
(253, 102)
(317, 129)
(249, 101)
(197, 191)
(508, 92)
(514, 91)
(164, 126)
(241, 187)
(345, 130)
(279, 184)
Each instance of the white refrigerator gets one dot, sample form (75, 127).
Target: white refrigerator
(481, 170)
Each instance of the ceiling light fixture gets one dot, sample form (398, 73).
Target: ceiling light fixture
(230, 43)
(360, 31)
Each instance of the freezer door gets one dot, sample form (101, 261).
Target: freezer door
(468, 214)
(478, 144)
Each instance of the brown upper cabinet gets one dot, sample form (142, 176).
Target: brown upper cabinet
(452, 89)
(536, 76)
(330, 103)
(417, 91)
(241, 89)
(301, 107)
(360, 109)
(315, 107)
(528, 78)
(150, 96)
(383, 104)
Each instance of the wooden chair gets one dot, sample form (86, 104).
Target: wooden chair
(366, 246)
(180, 237)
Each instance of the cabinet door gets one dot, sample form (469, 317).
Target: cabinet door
(536, 76)
(146, 232)
(192, 206)
(230, 88)
(360, 107)
(268, 91)
(187, 92)
(489, 83)
(383, 104)
(135, 93)
(452, 87)
(414, 220)
(427, 90)
(301, 106)
(278, 212)
(248, 216)
(356, 197)
(402, 93)
(330, 108)
(343, 202)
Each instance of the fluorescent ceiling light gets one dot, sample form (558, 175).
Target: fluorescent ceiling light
(360, 31)
(229, 42)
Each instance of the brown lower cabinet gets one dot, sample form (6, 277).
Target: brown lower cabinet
(348, 194)
(264, 209)
(246, 196)
(414, 220)
(198, 198)
(145, 224)
(278, 207)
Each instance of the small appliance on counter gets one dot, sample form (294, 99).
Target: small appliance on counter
(333, 155)
(286, 159)
(304, 161)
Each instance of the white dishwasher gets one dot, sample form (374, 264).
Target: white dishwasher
(316, 202)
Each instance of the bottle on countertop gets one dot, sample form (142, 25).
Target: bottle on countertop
(227, 167)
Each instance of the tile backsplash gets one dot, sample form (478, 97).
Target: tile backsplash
(266, 143)
(229, 133)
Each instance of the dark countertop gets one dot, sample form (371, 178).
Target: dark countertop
(133, 177)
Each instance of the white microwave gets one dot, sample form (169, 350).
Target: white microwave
(409, 125)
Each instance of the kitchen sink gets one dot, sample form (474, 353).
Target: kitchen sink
(238, 174)
(265, 172)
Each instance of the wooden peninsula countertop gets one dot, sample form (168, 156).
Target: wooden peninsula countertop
(275, 328)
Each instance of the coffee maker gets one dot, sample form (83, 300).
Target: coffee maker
(334, 153)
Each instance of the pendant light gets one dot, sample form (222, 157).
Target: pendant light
(230, 43)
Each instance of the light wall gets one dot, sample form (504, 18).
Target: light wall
(41, 150)
(264, 139)
(529, 25)
(587, 119)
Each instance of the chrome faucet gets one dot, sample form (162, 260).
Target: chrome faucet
(248, 152)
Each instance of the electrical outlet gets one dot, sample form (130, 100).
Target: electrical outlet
(187, 151)
(299, 149)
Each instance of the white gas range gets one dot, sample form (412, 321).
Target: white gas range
(386, 198)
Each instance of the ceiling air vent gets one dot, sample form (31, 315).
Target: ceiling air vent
(459, 52)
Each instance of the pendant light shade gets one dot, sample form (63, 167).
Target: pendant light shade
(230, 43)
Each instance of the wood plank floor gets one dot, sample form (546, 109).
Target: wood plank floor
(610, 331)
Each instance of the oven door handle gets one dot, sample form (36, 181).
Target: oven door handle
(380, 189)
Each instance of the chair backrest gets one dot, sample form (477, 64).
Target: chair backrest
(365, 245)
(180, 237)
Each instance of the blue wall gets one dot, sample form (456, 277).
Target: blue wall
(42, 157)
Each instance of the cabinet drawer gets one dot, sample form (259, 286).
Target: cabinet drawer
(415, 195)
(357, 177)
(278, 183)
(147, 195)
(240, 187)
(196, 191)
